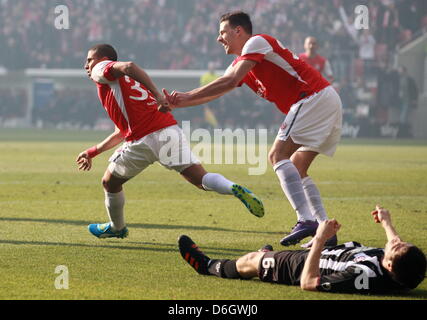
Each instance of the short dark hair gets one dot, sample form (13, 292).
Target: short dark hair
(409, 267)
(105, 50)
(238, 18)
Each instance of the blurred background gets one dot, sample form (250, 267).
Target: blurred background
(380, 72)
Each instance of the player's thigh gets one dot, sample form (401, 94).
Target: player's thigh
(173, 150)
(130, 159)
(311, 123)
(247, 266)
(282, 150)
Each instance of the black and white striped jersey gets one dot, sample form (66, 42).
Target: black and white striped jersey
(351, 267)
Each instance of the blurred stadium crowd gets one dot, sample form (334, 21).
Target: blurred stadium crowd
(181, 34)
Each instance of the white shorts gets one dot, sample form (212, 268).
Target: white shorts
(315, 122)
(168, 146)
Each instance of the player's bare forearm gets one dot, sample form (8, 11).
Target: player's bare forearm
(132, 70)
(110, 142)
(311, 273)
(382, 216)
(200, 101)
(84, 159)
(213, 90)
(390, 232)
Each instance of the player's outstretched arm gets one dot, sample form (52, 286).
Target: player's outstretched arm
(132, 70)
(84, 159)
(231, 79)
(310, 276)
(383, 216)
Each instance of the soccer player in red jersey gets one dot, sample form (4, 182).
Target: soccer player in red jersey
(311, 57)
(132, 101)
(313, 112)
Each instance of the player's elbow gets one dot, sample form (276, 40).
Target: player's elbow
(309, 284)
(128, 67)
(231, 82)
(307, 287)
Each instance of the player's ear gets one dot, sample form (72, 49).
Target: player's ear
(388, 265)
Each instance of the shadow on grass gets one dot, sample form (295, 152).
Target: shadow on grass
(124, 244)
(144, 246)
(137, 225)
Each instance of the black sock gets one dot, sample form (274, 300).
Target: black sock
(224, 269)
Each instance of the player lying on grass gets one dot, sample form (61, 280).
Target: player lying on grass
(348, 267)
(132, 101)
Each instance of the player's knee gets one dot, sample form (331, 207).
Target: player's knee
(275, 156)
(272, 157)
(110, 186)
(106, 183)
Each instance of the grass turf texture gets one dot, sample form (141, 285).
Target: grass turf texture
(46, 205)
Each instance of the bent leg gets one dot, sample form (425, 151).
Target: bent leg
(208, 181)
(204, 180)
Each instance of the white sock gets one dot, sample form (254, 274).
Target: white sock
(290, 180)
(216, 182)
(314, 200)
(114, 203)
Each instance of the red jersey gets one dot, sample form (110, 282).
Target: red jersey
(279, 75)
(319, 63)
(130, 105)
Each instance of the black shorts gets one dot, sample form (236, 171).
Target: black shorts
(283, 267)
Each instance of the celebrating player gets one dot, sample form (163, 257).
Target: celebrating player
(132, 101)
(349, 267)
(313, 112)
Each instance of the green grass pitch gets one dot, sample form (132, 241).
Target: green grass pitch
(46, 205)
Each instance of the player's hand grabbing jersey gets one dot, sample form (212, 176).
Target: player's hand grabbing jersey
(131, 107)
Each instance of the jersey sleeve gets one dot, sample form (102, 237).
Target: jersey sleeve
(101, 73)
(255, 49)
(354, 279)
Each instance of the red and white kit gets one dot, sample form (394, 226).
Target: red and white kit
(313, 108)
(148, 132)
